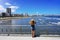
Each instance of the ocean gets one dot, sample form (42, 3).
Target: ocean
(44, 25)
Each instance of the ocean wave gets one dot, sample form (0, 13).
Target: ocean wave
(40, 19)
(53, 18)
(58, 23)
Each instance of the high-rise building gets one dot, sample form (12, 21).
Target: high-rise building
(3, 14)
(8, 10)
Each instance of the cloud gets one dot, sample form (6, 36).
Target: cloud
(7, 3)
(2, 9)
(16, 7)
(13, 10)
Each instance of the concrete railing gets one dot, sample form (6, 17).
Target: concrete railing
(23, 29)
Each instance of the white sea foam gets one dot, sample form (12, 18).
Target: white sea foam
(48, 18)
(40, 19)
(53, 18)
(58, 23)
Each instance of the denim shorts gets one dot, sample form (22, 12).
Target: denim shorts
(33, 27)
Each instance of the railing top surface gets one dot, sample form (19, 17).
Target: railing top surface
(29, 25)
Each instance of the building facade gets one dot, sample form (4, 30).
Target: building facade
(8, 10)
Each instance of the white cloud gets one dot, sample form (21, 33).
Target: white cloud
(13, 10)
(7, 3)
(2, 9)
(14, 7)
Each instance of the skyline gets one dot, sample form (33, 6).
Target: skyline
(31, 6)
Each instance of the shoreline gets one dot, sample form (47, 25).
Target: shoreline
(12, 18)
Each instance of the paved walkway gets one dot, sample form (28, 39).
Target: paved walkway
(27, 38)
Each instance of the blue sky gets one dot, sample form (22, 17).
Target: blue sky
(31, 6)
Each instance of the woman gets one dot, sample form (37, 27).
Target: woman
(32, 23)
